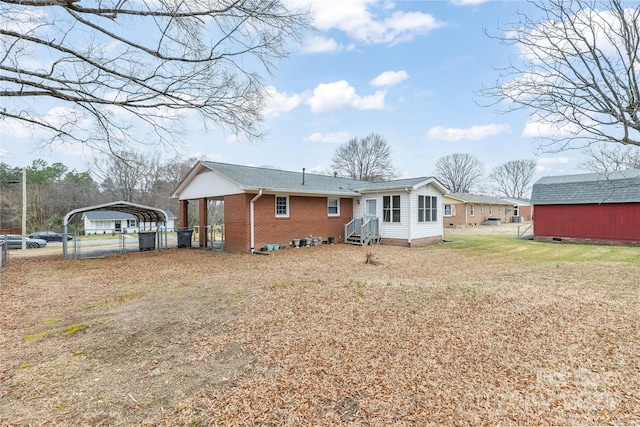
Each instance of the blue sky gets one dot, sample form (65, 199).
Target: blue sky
(410, 71)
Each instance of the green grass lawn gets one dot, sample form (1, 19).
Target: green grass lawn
(529, 251)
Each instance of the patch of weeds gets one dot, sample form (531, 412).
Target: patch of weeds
(67, 330)
(282, 284)
(70, 330)
(25, 365)
(389, 283)
(112, 302)
(360, 292)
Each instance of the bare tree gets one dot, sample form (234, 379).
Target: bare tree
(459, 172)
(366, 159)
(513, 179)
(606, 158)
(118, 72)
(126, 175)
(578, 71)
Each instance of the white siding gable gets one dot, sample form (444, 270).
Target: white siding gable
(209, 184)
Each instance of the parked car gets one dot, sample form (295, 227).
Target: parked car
(14, 241)
(49, 236)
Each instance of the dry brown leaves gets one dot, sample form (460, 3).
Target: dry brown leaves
(316, 337)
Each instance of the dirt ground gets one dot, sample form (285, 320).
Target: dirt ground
(473, 331)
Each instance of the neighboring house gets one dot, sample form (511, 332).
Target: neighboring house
(104, 222)
(522, 208)
(588, 207)
(269, 206)
(462, 209)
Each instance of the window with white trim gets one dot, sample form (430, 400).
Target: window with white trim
(391, 208)
(427, 208)
(490, 209)
(499, 208)
(447, 210)
(282, 206)
(472, 208)
(333, 207)
(481, 209)
(131, 223)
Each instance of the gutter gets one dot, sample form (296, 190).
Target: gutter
(251, 220)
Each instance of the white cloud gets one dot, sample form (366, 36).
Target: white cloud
(280, 102)
(538, 128)
(588, 28)
(467, 2)
(543, 164)
(338, 95)
(370, 21)
(389, 78)
(319, 44)
(474, 133)
(329, 138)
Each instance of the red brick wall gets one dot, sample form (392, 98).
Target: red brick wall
(307, 215)
(236, 222)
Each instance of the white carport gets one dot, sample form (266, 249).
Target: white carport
(141, 212)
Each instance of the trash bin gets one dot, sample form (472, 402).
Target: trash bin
(147, 240)
(184, 238)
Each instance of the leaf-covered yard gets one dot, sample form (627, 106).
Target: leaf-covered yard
(480, 330)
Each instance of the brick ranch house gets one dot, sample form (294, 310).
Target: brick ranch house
(591, 207)
(269, 206)
(463, 209)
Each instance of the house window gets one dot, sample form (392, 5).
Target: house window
(515, 210)
(490, 210)
(131, 223)
(427, 208)
(481, 209)
(447, 210)
(282, 206)
(499, 208)
(472, 208)
(391, 208)
(333, 207)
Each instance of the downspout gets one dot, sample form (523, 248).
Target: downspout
(408, 190)
(251, 219)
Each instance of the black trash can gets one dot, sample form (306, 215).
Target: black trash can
(184, 238)
(147, 240)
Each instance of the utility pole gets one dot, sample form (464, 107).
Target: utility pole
(24, 209)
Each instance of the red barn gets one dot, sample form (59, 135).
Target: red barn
(590, 207)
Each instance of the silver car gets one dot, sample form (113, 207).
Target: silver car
(14, 241)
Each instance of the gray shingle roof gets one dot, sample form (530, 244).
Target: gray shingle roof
(477, 198)
(615, 187)
(250, 177)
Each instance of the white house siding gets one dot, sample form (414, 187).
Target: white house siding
(209, 184)
(421, 230)
(395, 230)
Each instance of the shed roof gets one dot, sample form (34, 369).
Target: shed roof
(614, 187)
(276, 180)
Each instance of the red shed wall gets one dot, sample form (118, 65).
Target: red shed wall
(307, 215)
(610, 221)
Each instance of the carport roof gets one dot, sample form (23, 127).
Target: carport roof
(143, 213)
